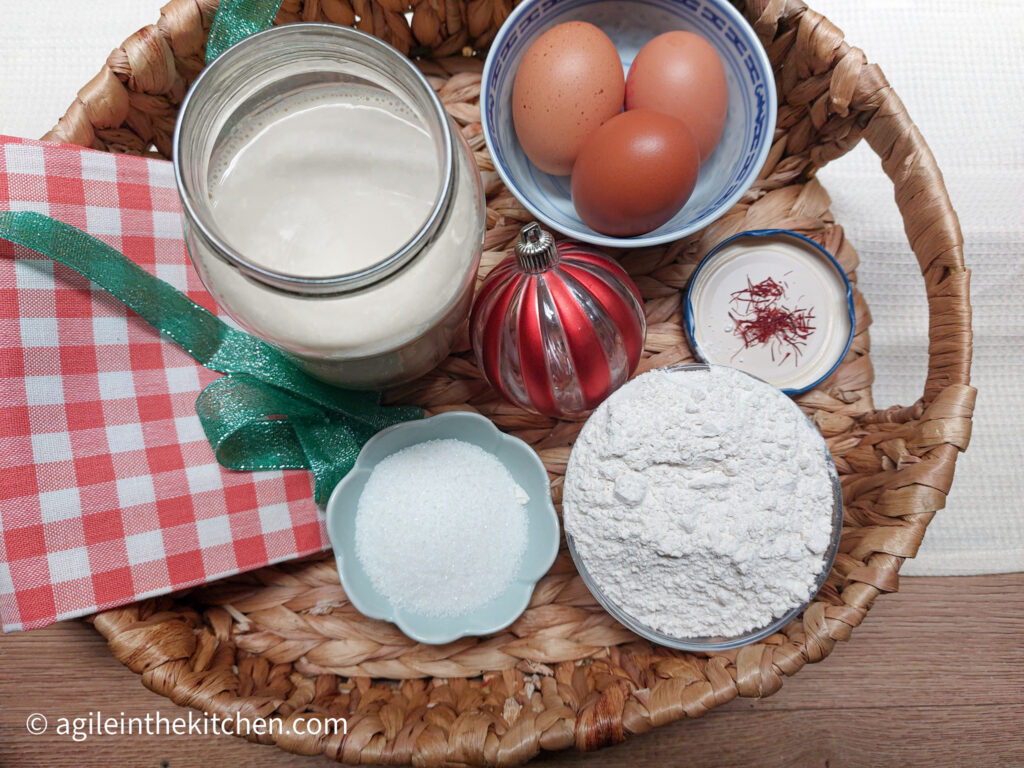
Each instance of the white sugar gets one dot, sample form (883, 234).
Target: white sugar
(441, 528)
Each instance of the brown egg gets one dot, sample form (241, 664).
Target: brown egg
(634, 173)
(569, 83)
(680, 74)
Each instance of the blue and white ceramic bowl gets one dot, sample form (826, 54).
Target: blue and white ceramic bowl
(542, 530)
(726, 175)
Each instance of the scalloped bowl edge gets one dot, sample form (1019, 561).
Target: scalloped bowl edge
(543, 530)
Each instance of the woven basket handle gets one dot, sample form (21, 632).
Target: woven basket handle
(855, 101)
(934, 233)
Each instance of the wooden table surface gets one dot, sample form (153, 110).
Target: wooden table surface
(935, 677)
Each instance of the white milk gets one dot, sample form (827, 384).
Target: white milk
(328, 184)
(321, 185)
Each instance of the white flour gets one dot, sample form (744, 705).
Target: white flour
(700, 502)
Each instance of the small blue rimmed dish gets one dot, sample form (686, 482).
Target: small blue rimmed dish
(542, 533)
(796, 276)
(724, 177)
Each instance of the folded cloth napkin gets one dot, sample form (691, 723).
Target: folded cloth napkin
(109, 490)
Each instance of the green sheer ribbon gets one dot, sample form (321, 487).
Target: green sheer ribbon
(236, 20)
(265, 413)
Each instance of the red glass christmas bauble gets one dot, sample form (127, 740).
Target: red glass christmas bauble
(556, 328)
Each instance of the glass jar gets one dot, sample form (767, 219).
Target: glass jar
(369, 327)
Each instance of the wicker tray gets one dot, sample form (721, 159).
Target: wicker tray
(284, 640)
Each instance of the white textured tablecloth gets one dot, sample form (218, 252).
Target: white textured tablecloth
(958, 69)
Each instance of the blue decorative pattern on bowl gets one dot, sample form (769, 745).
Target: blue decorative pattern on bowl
(726, 175)
(542, 532)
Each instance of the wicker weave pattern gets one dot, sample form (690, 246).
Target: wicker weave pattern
(285, 640)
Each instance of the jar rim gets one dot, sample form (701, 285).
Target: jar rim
(360, 43)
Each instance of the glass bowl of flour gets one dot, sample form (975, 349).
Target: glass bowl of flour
(702, 507)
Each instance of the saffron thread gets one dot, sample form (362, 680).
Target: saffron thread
(761, 318)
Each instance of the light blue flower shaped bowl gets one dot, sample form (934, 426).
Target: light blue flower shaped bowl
(726, 175)
(542, 526)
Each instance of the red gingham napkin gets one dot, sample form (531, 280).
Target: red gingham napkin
(109, 491)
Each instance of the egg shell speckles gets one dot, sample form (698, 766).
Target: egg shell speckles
(568, 84)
